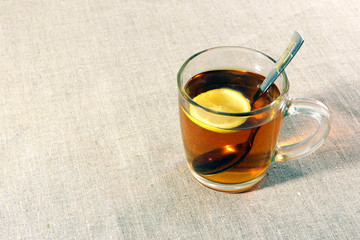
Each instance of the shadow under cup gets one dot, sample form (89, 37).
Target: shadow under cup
(236, 159)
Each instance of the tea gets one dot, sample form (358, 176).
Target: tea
(235, 155)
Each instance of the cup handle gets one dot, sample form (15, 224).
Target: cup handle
(312, 108)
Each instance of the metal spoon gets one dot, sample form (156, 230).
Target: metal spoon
(285, 58)
(223, 159)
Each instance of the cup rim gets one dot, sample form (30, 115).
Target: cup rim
(274, 103)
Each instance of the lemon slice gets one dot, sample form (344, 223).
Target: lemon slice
(222, 100)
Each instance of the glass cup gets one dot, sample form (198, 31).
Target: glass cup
(236, 159)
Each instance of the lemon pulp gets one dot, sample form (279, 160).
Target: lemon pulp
(221, 100)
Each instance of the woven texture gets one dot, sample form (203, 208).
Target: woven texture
(90, 143)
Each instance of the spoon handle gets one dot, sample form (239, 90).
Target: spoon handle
(292, 48)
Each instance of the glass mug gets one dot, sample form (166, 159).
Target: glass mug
(235, 157)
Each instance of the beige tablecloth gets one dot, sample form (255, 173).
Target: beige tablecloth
(90, 144)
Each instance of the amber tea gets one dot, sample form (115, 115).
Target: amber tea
(234, 155)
